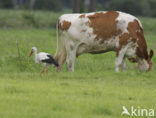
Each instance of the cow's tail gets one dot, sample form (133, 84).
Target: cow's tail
(57, 49)
(57, 33)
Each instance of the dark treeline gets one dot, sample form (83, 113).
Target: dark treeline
(135, 7)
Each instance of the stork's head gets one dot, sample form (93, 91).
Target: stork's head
(33, 49)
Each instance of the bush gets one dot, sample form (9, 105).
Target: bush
(25, 18)
(54, 5)
(135, 7)
(152, 4)
(29, 18)
(6, 4)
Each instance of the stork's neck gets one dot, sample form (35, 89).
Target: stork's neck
(35, 53)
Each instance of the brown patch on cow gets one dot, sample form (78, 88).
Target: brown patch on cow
(104, 25)
(83, 30)
(135, 34)
(133, 28)
(64, 25)
(124, 38)
(118, 50)
(82, 16)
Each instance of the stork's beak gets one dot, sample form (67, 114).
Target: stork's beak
(30, 53)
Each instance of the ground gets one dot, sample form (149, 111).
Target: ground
(94, 90)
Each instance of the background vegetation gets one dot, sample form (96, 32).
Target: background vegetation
(21, 19)
(135, 7)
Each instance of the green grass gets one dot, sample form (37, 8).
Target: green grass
(67, 95)
(94, 90)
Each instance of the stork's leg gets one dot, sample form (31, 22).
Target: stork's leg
(47, 71)
(42, 70)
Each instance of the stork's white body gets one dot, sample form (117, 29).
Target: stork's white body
(41, 56)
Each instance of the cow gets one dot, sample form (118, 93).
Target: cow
(100, 32)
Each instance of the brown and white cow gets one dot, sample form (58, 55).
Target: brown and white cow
(100, 32)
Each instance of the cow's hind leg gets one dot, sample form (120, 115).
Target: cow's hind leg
(71, 61)
(62, 58)
(71, 55)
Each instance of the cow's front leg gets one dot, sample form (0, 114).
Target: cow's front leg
(120, 59)
(118, 62)
(123, 64)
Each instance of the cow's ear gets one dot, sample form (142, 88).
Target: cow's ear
(151, 54)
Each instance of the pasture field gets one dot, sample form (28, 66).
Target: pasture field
(94, 90)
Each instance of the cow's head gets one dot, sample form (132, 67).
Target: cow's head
(146, 64)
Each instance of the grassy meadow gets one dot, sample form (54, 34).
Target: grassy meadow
(94, 90)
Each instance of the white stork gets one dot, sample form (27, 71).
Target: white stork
(44, 58)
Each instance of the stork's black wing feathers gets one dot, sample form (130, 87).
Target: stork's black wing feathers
(51, 60)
